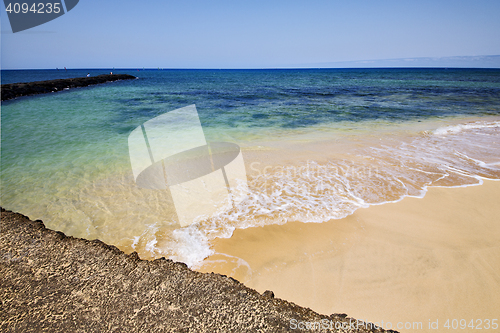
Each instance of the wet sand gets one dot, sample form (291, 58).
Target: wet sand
(423, 260)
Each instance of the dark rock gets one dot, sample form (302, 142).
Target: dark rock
(13, 90)
(50, 282)
(268, 294)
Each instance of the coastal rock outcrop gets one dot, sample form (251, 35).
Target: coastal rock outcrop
(13, 90)
(55, 283)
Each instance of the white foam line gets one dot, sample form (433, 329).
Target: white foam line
(423, 171)
(341, 197)
(136, 240)
(481, 163)
(441, 131)
(460, 172)
(480, 178)
(239, 261)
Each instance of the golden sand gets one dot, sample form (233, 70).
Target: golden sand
(405, 263)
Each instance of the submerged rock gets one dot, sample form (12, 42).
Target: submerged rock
(55, 283)
(13, 90)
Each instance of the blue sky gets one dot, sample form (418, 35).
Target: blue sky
(252, 34)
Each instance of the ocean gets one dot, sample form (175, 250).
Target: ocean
(317, 144)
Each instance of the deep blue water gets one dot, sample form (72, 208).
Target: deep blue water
(291, 98)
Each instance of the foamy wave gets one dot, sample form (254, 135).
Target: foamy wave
(316, 192)
(191, 245)
(460, 127)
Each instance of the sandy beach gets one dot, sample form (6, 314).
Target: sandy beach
(426, 260)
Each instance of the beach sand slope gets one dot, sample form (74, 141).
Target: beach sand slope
(420, 260)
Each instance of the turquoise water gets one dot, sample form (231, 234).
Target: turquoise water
(65, 155)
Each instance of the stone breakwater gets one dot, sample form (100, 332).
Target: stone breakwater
(13, 90)
(52, 282)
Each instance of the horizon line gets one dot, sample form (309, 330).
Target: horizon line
(470, 61)
(242, 68)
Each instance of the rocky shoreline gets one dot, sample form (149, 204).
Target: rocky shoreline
(52, 282)
(14, 90)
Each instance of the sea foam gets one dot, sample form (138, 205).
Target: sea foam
(317, 192)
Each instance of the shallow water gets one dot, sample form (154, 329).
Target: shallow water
(317, 145)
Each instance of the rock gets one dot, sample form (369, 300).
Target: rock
(55, 283)
(268, 294)
(13, 90)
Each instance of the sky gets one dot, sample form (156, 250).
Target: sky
(252, 33)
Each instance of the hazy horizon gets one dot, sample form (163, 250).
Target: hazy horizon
(484, 62)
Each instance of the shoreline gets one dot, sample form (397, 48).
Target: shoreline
(14, 90)
(438, 253)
